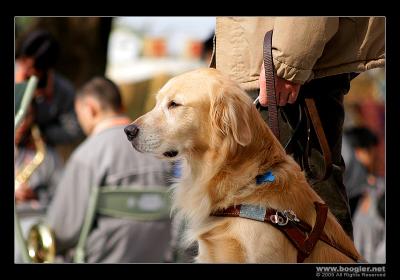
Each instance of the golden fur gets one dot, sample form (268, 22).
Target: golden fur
(224, 144)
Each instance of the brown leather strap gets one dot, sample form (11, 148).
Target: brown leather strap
(295, 235)
(323, 142)
(234, 211)
(273, 121)
(301, 234)
(309, 243)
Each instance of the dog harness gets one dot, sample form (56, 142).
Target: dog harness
(300, 233)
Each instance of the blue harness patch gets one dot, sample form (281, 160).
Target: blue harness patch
(252, 212)
(267, 177)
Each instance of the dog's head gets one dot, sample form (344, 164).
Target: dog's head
(195, 112)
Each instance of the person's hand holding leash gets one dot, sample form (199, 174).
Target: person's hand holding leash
(286, 91)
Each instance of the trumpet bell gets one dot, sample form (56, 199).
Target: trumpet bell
(41, 244)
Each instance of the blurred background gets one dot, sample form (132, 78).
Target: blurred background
(141, 53)
(138, 53)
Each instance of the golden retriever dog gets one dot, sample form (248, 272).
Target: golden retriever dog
(207, 121)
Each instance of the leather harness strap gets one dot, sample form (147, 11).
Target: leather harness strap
(309, 243)
(273, 121)
(323, 142)
(301, 234)
(312, 112)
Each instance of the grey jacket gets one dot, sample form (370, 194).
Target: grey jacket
(107, 158)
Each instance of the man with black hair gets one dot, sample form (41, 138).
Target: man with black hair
(364, 142)
(357, 150)
(54, 98)
(368, 194)
(105, 158)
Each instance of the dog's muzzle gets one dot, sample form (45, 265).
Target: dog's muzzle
(131, 131)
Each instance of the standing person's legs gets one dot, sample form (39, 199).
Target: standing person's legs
(328, 93)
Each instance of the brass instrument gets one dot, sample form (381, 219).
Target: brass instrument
(41, 244)
(24, 175)
(41, 240)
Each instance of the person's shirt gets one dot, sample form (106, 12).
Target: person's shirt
(369, 225)
(107, 158)
(56, 115)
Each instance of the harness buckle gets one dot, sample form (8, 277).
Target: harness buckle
(283, 217)
(278, 219)
(291, 215)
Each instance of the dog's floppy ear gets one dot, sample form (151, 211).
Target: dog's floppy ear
(230, 116)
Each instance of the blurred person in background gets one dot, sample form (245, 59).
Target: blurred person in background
(38, 168)
(54, 97)
(355, 175)
(369, 216)
(105, 158)
(36, 175)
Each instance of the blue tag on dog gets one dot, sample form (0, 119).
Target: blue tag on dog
(267, 177)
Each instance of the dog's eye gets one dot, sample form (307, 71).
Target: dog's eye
(173, 104)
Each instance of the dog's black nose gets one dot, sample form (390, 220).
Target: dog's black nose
(131, 131)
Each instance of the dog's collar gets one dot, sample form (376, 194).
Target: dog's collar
(266, 177)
